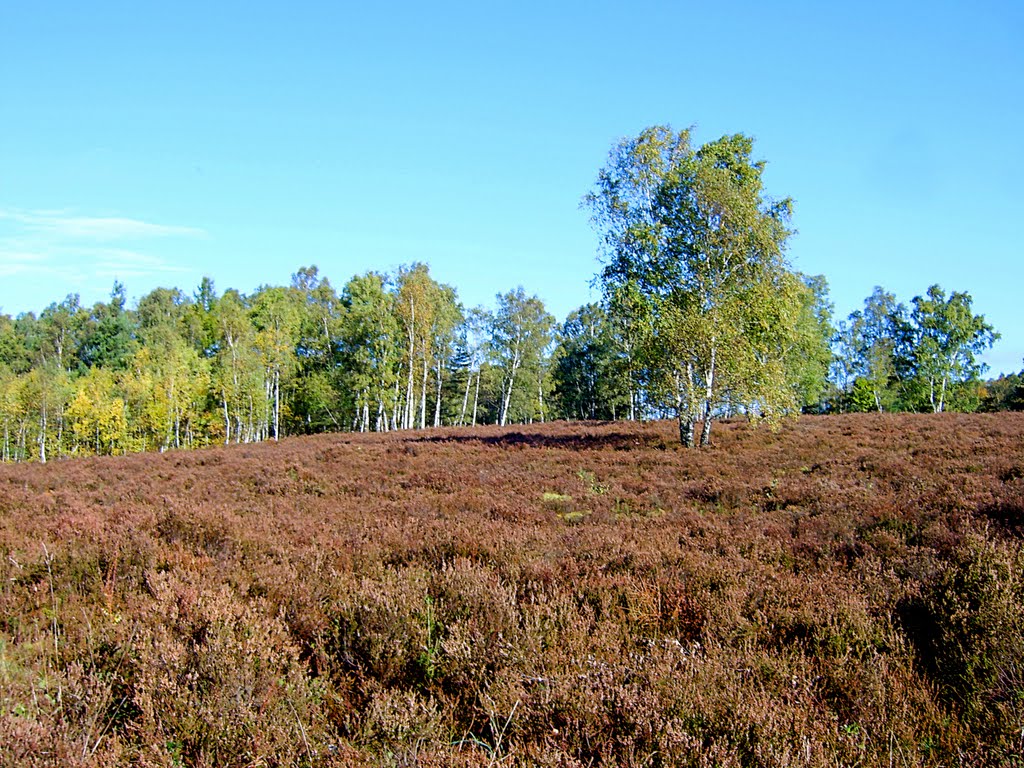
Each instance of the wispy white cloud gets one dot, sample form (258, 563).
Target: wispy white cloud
(17, 262)
(103, 228)
(124, 263)
(44, 252)
(80, 263)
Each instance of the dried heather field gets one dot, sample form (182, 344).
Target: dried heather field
(846, 591)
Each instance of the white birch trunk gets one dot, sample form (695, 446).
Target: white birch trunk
(465, 399)
(437, 402)
(476, 397)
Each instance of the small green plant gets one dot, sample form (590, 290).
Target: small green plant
(928, 744)
(430, 658)
(559, 503)
(174, 748)
(551, 498)
(574, 516)
(590, 481)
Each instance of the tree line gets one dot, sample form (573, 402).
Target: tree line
(701, 317)
(385, 352)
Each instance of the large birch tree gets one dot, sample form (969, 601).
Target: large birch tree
(694, 250)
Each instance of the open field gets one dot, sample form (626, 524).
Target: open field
(846, 591)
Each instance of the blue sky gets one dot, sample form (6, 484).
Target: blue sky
(157, 143)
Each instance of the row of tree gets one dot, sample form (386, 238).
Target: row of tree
(702, 317)
(386, 352)
(891, 357)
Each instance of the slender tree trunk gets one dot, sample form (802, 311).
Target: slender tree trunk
(407, 422)
(476, 396)
(540, 396)
(684, 410)
(60, 428)
(465, 399)
(42, 432)
(423, 394)
(437, 403)
(709, 388)
(685, 428)
(277, 405)
(227, 419)
(506, 400)
(631, 382)
(397, 407)
(705, 430)
(327, 341)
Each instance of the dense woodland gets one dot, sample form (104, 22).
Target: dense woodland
(399, 352)
(702, 316)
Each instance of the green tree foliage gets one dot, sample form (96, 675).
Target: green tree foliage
(167, 385)
(520, 337)
(313, 396)
(809, 357)
(320, 318)
(870, 342)
(44, 393)
(448, 316)
(946, 337)
(1005, 393)
(61, 332)
(472, 351)
(589, 369)
(97, 415)
(695, 257)
(160, 313)
(276, 313)
(13, 355)
(109, 337)
(371, 352)
(428, 313)
(922, 359)
(12, 416)
(238, 372)
(201, 322)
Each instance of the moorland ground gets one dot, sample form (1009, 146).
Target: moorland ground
(845, 591)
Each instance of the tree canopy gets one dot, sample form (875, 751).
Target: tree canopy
(695, 263)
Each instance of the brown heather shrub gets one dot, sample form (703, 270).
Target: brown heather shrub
(846, 591)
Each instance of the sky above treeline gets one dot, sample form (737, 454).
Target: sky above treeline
(158, 143)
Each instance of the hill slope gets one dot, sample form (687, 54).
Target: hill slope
(846, 591)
